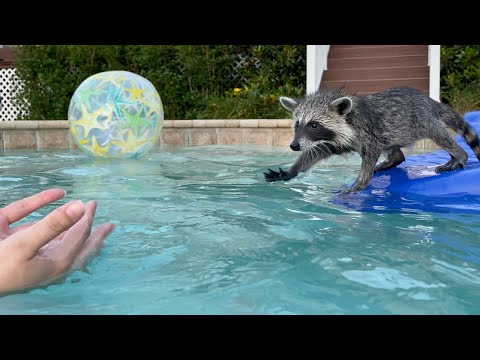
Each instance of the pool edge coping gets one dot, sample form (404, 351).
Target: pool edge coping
(210, 123)
(276, 132)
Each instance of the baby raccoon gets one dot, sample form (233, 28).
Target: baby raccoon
(332, 122)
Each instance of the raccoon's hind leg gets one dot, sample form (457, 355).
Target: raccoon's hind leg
(394, 158)
(458, 156)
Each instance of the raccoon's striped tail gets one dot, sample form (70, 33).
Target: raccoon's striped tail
(471, 137)
(456, 122)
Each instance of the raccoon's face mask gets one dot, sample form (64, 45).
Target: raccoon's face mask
(310, 134)
(316, 125)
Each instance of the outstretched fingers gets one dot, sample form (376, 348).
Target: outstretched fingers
(74, 238)
(21, 208)
(92, 246)
(31, 239)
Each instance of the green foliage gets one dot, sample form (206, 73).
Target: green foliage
(197, 81)
(243, 103)
(466, 99)
(268, 72)
(460, 76)
(194, 81)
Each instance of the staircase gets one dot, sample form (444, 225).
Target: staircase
(366, 69)
(6, 58)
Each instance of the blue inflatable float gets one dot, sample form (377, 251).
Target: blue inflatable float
(414, 185)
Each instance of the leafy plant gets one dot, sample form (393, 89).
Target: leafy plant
(189, 78)
(243, 103)
(460, 76)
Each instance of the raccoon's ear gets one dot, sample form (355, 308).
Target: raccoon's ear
(288, 103)
(342, 105)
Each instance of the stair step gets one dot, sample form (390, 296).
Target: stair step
(365, 93)
(380, 51)
(377, 62)
(376, 74)
(6, 58)
(376, 85)
(358, 46)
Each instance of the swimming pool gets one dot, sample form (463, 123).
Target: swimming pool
(199, 231)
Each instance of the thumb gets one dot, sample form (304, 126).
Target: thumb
(34, 237)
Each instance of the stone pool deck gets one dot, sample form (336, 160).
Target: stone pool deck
(53, 134)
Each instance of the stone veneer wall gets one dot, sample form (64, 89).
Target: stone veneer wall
(53, 134)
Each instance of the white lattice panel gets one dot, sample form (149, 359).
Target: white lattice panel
(243, 60)
(8, 111)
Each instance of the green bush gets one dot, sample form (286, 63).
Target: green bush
(197, 81)
(460, 76)
(194, 81)
(243, 103)
(466, 99)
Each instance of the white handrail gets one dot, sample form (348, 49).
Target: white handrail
(434, 76)
(317, 59)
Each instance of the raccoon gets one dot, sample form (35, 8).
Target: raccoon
(334, 122)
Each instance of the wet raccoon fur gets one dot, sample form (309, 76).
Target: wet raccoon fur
(332, 122)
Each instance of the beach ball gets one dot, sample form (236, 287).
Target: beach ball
(115, 114)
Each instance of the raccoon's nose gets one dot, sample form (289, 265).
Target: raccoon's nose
(295, 146)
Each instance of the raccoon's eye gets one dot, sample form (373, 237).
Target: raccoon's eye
(314, 125)
(296, 125)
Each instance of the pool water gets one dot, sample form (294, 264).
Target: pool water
(199, 231)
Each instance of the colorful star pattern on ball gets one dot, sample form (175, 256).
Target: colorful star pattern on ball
(135, 92)
(115, 114)
(136, 121)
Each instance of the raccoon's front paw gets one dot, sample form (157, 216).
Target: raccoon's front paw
(355, 187)
(277, 176)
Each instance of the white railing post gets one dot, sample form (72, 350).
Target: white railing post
(311, 68)
(434, 64)
(317, 58)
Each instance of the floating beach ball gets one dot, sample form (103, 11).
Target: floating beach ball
(115, 114)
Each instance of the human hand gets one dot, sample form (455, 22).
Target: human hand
(43, 252)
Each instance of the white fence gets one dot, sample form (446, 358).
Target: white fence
(8, 110)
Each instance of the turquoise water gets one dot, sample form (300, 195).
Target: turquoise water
(199, 231)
